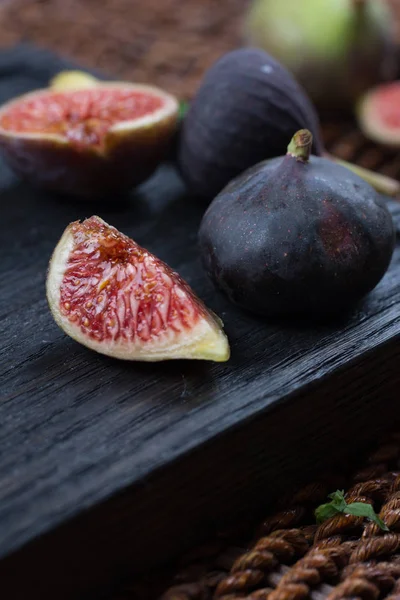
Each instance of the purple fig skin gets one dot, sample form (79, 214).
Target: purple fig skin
(247, 108)
(128, 158)
(289, 238)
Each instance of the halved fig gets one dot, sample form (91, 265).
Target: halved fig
(379, 114)
(87, 137)
(113, 296)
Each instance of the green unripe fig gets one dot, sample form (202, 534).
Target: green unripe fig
(337, 49)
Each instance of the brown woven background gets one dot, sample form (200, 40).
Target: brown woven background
(167, 42)
(287, 556)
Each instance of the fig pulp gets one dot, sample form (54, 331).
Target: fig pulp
(379, 114)
(337, 49)
(115, 297)
(91, 141)
(296, 235)
(245, 111)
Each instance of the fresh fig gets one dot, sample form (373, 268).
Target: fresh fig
(246, 109)
(297, 235)
(379, 114)
(88, 138)
(337, 49)
(113, 296)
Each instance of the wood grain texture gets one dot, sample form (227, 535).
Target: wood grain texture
(106, 464)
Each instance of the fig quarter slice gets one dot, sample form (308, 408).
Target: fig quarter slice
(113, 296)
(89, 140)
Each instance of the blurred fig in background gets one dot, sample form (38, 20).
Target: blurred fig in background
(337, 49)
(379, 114)
(73, 80)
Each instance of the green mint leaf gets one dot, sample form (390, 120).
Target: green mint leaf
(325, 512)
(338, 505)
(338, 500)
(361, 509)
(381, 523)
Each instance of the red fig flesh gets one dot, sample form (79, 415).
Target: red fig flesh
(379, 114)
(113, 296)
(106, 138)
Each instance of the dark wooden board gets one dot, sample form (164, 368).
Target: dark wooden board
(100, 458)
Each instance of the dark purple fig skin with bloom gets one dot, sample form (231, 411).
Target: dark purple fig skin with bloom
(290, 237)
(247, 108)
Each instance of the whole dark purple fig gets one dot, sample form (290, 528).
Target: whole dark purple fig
(297, 234)
(246, 109)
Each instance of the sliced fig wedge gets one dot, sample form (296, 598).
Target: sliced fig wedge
(86, 137)
(113, 296)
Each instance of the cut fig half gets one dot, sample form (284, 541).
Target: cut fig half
(379, 114)
(113, 296)
(88, 138)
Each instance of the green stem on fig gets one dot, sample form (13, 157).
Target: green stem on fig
(382, 184)
(300, 146)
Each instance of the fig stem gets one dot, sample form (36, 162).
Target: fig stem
(382, 184)
(301, 144)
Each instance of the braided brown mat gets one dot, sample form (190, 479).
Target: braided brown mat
(169, 43)
(289, 557)
(344, 139)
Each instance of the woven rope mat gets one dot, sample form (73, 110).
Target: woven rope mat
(288, 557)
